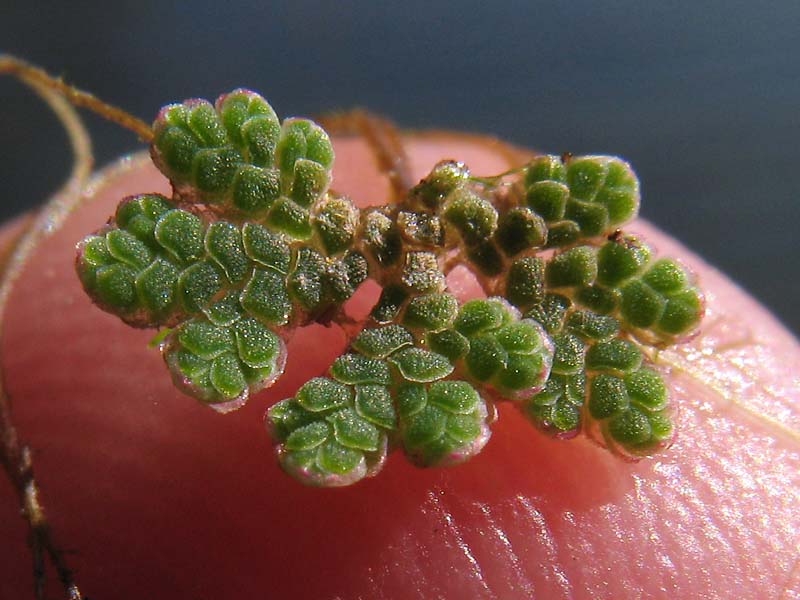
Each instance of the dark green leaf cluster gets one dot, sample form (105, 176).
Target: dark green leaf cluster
(510, 355)
(590, 353)
(253, 245)
(581, 197)
(486, 238)
(654, 300)
(626, 400)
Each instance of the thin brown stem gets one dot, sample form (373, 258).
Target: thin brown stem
(384, 140)
(10, 65)
(14, 455)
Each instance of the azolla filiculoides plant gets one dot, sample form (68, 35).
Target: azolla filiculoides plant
(253, 244)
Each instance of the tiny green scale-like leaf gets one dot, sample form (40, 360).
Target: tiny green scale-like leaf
(448, 342)
(288, 217)
(205, 339)
(682, 312)
(666, 276)
(608, 396)
(311, 181)
(335, 222)
(641, 305)
(266, 247)
(354, 432)
(647, 388)
(308, 437)
(421, 273)
(569, 354)
(128, 249)
(115, 286)
(546, 167)
(322, 394)
(557, 409)
(380, 342)
(265, 297)
(573, 268)
(477, 316)
(356, 369)
(486, 357)
(156, 287)
(227, 377)
(139, 214)
(599, 299)
(445, 177)
(305, 281)
(525, 282)
(257, 345)
(198, 284)
(618, 261)
(550, 312)
(432, 312)
(223, 243)
(549, 199)
(255, 190)
(374, 403)
(614, 355)
(181, 234)
(422, 366)
(474, 218)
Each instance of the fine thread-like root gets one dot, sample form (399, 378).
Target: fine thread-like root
(14, 454)
(10, 65)
(384, 141)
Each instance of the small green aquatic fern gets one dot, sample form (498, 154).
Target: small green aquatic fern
(252, 244)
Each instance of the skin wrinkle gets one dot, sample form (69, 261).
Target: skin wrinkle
(437, 506)
(505, 547)
(545, 539)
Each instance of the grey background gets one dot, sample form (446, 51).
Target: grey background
(702, 97)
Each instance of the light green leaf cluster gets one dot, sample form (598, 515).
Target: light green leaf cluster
(386, 392)
(236, 157)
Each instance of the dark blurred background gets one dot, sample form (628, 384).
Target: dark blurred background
(702, 97)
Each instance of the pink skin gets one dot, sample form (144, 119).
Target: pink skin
(156, 496)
